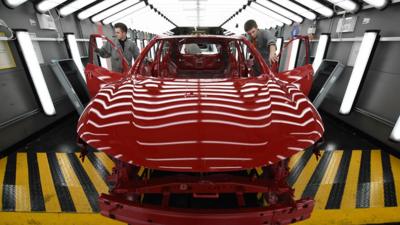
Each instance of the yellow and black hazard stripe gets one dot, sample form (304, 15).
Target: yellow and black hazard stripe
(60, 182)
(53, 182)
(347, 179)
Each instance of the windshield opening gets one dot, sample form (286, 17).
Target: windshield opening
(199, 58)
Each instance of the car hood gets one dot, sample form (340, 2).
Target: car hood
(200, 124)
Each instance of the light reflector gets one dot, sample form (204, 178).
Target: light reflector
(293, 54)
(97, 8)
(395, 135)
(364, 54)
(379, 4)
(76, 56)
(14, 3)
(114, 10)
(46, 5)
(28, 52)
(321, 51)
(74, 6)
(317, 7)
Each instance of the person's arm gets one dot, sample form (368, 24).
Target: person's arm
(271, 45)
(272, 54)
(105, 51)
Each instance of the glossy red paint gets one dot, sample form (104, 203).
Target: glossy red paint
(201, 125)
(152, 117)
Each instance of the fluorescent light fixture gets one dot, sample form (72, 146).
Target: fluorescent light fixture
(279, 42)
(154, 23)
(25, 43)
(395, 135)
(74, 6)
(103, 61)
(379, 4)
(317, 7)
(46, 5)
(76, 56)
(211, 12)
(97, 8)
(296, 8)
(124, 13)
(115, 9)
(347, 5)
(363, 57)
(263, 21)
(14, 3)
(284, 12)
(260, 17)
(293, 54)
(272, 14)
(321, 51)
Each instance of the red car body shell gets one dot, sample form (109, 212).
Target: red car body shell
(200, 125)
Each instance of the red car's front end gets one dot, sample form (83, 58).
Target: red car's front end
(199, 139)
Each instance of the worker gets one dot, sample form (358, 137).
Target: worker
(129, 48)
(264, 42)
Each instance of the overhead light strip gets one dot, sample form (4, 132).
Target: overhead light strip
(14, 3)
(359, 70)
(272, 14)
(261, 17)
(129, 11)
(347, 5)
(97, 8)
(74, 6)
(115, 9)
(379, 4)
(282, 11)
(317, 7)
(47, 5)
(296, 8)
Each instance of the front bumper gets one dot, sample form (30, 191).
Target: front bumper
(140, 214)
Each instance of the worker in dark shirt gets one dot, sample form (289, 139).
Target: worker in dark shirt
(263, 40)
(128, 47)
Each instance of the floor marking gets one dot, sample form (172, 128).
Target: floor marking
(49, 192)
(322, 195)
(305, 176)
(350, 189)
(3, 163)
(78, 195)
(377, 198)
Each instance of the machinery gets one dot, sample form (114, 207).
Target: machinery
(192, 132)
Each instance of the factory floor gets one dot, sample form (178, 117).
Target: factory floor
(43, 180)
